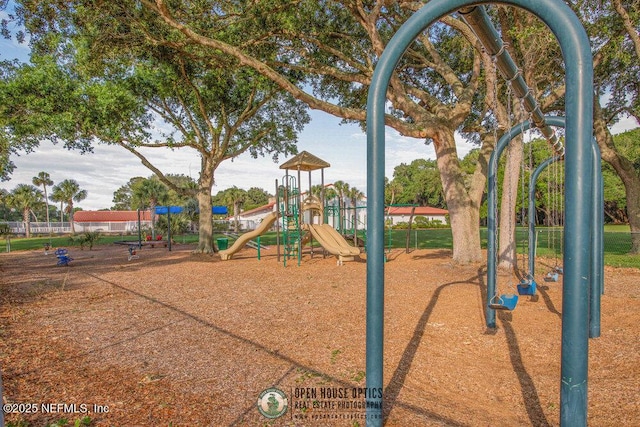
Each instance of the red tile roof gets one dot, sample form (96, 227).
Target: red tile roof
(268, 207)
(110, 216)
(419, 210)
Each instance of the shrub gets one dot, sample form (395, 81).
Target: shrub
(89, 238)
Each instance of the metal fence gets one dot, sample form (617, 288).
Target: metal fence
(121, 227)
(549, 239)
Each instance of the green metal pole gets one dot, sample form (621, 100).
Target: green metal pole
(579, 103)
(258, 240)
(597, 247)
(139, 231)
(169, 227)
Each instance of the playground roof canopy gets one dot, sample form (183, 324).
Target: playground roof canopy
(305, 161)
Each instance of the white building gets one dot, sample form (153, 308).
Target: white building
(403, 213)
(250, 219)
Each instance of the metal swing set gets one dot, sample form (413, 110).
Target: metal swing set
(581, 285)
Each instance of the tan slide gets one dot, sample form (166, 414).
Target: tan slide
(333, 242)
(264, 226)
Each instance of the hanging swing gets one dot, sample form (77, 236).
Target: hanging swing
(557, 270)
(527, 285)
(551, 276)
(504, 302)
(501, 301)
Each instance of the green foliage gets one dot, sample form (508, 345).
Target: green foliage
(148, 193)
(25, 197)
(90, 84)
(179, 224)
(418, 182)
(422, 222)
(123, 196)
(131, 195)
(628, 145)
(118, 61)
(255, 198)
(68, 191)
(234, 199)
(89, 238)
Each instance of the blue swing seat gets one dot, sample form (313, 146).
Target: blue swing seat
(504, 302)
(527, 287)
(63, 256)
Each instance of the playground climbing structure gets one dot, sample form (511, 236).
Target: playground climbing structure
(289, 206)
(299, 216)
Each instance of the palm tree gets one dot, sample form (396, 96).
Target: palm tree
(69, 191)
(316, 190)
(355, 195)
(341, 188)
(236, 197)
(393, 189)
(57, 196)
(44, 179)
(25, 197)
(150, 192)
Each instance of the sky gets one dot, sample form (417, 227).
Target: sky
(108, 168)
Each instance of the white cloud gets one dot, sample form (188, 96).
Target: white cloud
(623, 125)
(110, 167)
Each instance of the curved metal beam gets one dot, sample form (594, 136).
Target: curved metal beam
(576, 53)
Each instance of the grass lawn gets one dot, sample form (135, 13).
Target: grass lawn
(617, 242)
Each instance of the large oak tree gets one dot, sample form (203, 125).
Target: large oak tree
(215, 107)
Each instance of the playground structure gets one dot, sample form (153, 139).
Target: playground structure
(579, 161)
(298, 221)
(241, 241)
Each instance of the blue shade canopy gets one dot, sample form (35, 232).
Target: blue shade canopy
(219, 210)
(163, 210)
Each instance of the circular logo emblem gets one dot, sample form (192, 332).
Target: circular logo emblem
(272, 403)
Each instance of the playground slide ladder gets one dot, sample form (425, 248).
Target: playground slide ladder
(250, 243)
(291, 220)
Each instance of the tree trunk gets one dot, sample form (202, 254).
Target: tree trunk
(236, 217)
(464, 210)
(507, 254)
(205, 225)
(152, 215)
(73, 228)
(625, 170)
(408, 237)
(27, 223)
(46, 201)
